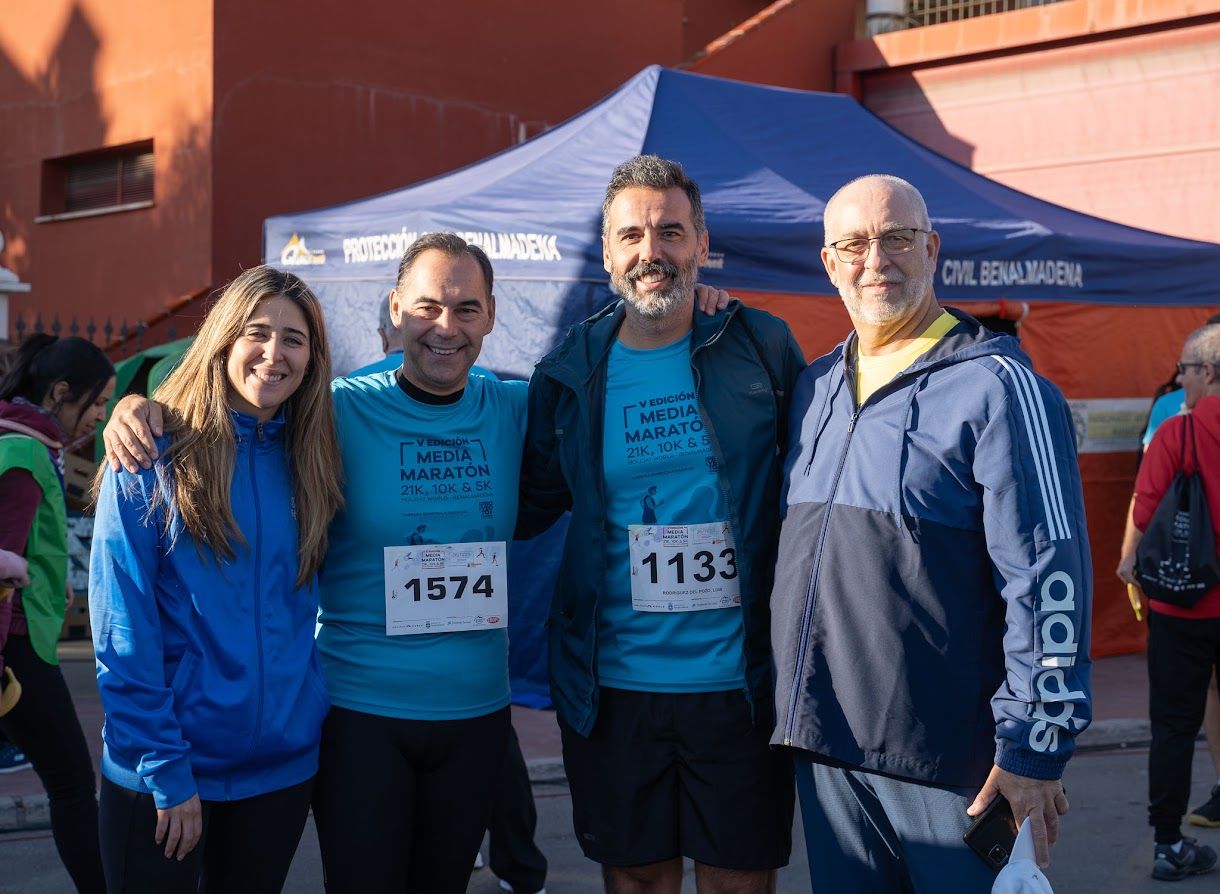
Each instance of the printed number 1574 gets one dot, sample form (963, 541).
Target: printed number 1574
(438, 588)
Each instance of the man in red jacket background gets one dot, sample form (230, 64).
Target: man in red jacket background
(1183, 643)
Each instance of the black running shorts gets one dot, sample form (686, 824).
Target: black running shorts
(665, 775)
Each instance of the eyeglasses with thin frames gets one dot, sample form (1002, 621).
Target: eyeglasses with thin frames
(895, 242)
(1182, 367)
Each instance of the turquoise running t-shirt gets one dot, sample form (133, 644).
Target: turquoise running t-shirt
(660, 471)
(1165, 407)
(416, 475)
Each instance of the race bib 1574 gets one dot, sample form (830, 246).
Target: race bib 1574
(445, 588)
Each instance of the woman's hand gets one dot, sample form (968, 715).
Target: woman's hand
(179, 827)
(711, 300)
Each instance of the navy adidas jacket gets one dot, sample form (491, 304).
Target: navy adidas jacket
(933, 585)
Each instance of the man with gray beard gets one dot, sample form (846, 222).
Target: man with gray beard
(660, 428)
(933, 585)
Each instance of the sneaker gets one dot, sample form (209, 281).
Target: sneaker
(505, 886)
(1193, 859)
(12, 758)
(1208, 813)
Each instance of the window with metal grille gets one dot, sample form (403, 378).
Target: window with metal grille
(118, 178)
(933, 12)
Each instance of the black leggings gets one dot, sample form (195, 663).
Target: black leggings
(1182, 655)
(247, 846)
(401, 805)
(43, 724)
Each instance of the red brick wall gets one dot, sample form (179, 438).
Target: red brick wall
(77, 76)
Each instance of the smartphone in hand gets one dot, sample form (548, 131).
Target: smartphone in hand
(993, 833)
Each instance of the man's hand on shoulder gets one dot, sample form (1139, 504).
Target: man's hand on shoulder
(130, 435)
(710, 300)
(1042, 800)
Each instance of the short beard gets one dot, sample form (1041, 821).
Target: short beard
(914, 289)
(656, 305)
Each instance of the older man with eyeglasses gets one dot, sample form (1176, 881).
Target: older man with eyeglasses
(1183, 640)
(930, 618)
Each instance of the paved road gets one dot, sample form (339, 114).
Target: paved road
(1106, 847)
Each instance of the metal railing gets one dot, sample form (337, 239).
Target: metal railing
(120, 340)
(935, 12)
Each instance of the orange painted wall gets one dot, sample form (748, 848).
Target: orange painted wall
(77, 75)
(345, 105)
(262, 108)
(705, 20)
(792, 46)
(1125, 128)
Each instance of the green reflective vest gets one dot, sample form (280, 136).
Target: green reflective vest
(46, 548)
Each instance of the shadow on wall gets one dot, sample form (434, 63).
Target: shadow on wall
(898, 100)
(57, 110)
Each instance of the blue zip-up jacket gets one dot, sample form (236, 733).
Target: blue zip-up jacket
(744, 362)
(208, 672)
(933, 586)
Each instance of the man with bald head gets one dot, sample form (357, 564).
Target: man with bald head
(930, 617)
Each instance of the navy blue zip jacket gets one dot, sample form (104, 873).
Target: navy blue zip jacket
(744, 362)
(933, 585)
(207, 669)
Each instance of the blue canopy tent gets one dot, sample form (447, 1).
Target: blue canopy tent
(767, 160)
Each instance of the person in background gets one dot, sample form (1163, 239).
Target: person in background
(14, 573)
(513, 853)
(12, 758)
(1183, 643)
(203, 600)
(55, 392)
(1169, 402)
(391, 344)
(1207, 814)
(12, 576)
(8, 355)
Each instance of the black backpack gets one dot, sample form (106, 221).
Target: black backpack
(1176, 560)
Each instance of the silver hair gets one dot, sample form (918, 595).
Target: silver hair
(1204, 345)
(384, 323)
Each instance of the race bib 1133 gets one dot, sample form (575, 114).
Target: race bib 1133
(683, 568)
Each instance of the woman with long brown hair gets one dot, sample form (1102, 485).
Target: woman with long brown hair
(203, 599)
